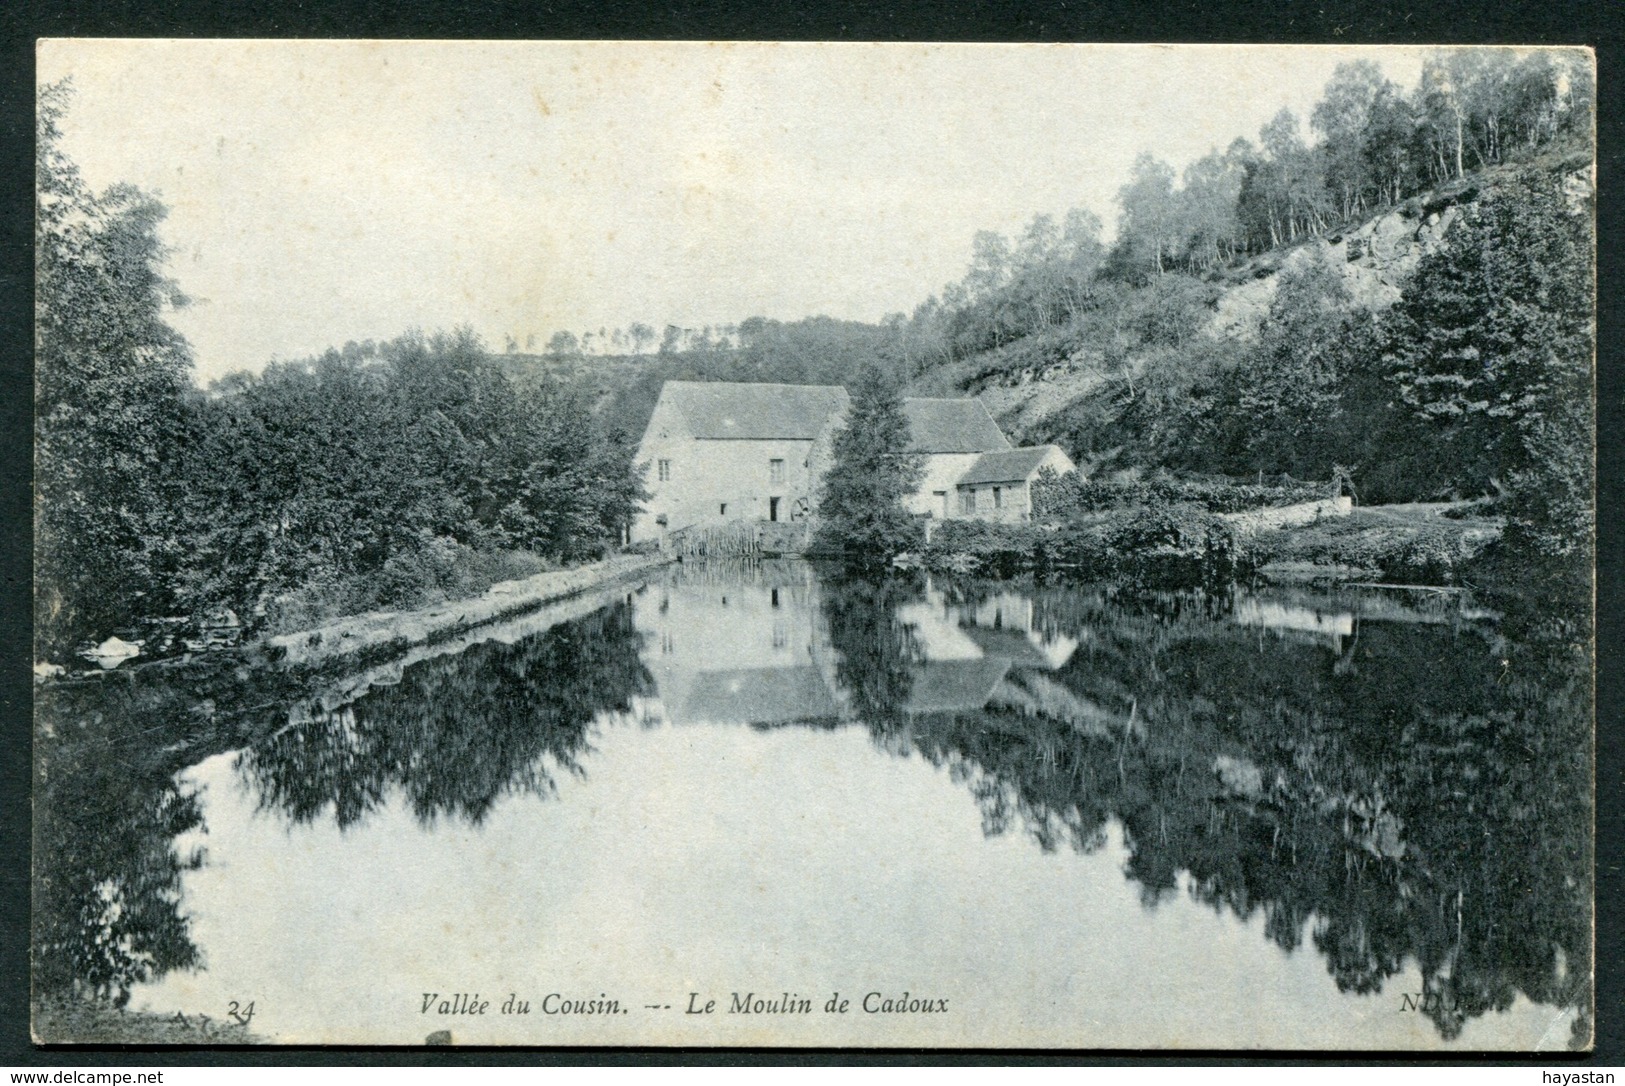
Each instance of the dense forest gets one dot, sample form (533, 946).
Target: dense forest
(380, 475)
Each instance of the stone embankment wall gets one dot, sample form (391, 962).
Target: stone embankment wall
(379, 632)
(1289, 516)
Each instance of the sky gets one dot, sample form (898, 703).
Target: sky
(326, 191)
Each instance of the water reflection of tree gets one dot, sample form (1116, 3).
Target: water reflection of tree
(457, 732)
(875, 655)
(1427, 806)
(107, 813)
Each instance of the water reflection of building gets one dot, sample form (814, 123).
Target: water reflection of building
(738, 643)
(1000, 626)
(1312, 624)
(747, 643)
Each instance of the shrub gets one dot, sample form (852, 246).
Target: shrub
(316, 602)
(985, 547)
(433, 570)
(1159, 544)
(1172, 543)
(1060, 497)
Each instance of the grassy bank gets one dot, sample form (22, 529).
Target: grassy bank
(438, 573)
(443, 575)
(1184, 543)
(1429, 544)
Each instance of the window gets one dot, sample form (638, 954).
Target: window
(722, 510)
(665, 471)
(998, 499)
(775, 471)
(967, 502)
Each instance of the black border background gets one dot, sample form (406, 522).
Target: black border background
(1583, 22)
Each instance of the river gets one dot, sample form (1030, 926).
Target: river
(1078, 816)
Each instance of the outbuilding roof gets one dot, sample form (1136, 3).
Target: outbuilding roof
(954, 686)
(722, 410)
(952, 426)
(1015, 465)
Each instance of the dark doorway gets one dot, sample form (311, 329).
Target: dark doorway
(773, 509)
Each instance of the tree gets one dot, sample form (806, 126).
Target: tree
(1343, 118)
(1290, 383)
(1148, 231)
(563, 344)
(1388, 141)
(860, 508)
(1444, 116)
(1492, 350)
(641, 336)
(1080, 257)
(1207, 208)
(990, 264)
(111, 390)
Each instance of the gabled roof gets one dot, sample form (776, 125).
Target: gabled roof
(721, 410)
(949, 686)
(1016, 465)
(952, 426)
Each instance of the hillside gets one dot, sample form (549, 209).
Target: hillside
(1256, 360)
(1063, 382)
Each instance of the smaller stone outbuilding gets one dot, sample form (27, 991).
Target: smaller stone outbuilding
(998, 486)
(947, 437)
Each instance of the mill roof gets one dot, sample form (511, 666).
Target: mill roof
(1011, 466)
(952, 426)
(720, 410)
(760, 695)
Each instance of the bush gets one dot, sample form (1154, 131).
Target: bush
(981, 546)
(316, 602)
(1167, 543)
(1159, 544)
(1060, 497)
(435, 570)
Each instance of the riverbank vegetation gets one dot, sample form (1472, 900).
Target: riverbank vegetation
(388, 474)
(1147, 535)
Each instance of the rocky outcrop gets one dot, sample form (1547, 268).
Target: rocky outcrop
(1376, 258)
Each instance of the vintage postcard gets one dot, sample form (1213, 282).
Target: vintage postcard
(751, 544)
